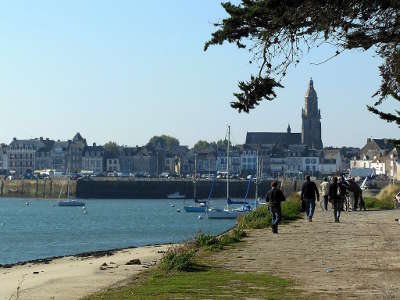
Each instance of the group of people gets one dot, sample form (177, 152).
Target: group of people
(334, 192)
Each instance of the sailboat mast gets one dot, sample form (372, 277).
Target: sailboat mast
(227, 163)
(195, 178)
(257, 174)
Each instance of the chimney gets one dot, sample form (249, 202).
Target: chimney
(14, 139)
(368, 140)
(94, 144)
(41, 138)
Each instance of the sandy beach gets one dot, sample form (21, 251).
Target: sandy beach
(74, 277)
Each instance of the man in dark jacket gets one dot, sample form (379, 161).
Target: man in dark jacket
(274, 198)
(335, 198)
(309, 193)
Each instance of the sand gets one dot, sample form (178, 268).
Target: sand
(74, 277)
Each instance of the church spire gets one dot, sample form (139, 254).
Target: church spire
(311, 93)
(289, 130)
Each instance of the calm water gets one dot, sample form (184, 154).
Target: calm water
(43, 230)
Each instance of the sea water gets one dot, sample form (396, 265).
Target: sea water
(34, 229)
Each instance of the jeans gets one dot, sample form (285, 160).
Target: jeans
(276, 214)
(326, 202)
(310, 207)
(337, 207)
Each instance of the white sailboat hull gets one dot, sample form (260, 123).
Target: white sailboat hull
(222, 214)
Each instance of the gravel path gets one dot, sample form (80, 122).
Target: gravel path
(363, 253)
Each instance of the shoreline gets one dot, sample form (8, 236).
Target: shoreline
(76, 276)
(95, 253)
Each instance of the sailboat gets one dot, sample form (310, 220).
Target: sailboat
(202, 207)
(69, 202)
(227, 213)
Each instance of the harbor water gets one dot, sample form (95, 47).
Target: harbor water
(35, 229)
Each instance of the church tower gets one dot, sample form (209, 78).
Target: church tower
(311, 119)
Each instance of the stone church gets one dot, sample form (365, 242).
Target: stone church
(310, 132)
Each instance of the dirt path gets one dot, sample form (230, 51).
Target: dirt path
(363, 252)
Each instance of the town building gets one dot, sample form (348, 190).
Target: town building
(112, 164)
(93, 159)
(44, 160)
(22, 155)
(58, 155)
(3, 158)
(74, 154)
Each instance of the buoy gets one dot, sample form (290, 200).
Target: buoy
(178, 210)
(200, 217)
(172, 205)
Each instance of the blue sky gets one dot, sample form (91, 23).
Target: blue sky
(128, 70)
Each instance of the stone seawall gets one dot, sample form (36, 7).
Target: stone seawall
(128, 188)
(42, 188)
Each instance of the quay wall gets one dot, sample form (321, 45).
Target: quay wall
(41, 188)
(127, 188)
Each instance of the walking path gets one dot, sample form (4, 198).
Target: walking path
(362, 254)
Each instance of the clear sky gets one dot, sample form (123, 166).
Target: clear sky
(127, 70)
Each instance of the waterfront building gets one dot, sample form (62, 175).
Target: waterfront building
(93, 158)
(58, 155)
(74, 154)
(127, 159)
(330, 154)
(378, 154)
(44, 160)
(22, 155)
(234, 161)
(112, 164)
(146, 161)
(248, 160)
(3, 158)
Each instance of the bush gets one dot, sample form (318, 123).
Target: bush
(208, 241)
(385, 203)
(214, 243)
(388, 192)
(178, 259)
(261, 217)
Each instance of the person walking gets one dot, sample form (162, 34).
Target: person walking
(343, 187)
(335, 198)
(325, 192)
(274, 197)
(309, 192)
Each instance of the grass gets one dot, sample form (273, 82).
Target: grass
(261, 217)
(204, 283)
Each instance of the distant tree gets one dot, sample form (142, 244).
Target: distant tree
(222, 144)
(163, 142)
(279, 33)
(111, 150)
(201, 146)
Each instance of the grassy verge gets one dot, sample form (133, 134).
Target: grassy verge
(203, 283)
(183, 273)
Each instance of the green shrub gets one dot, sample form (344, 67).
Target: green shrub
(382, 203)
(261, 217)
(178, 259)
